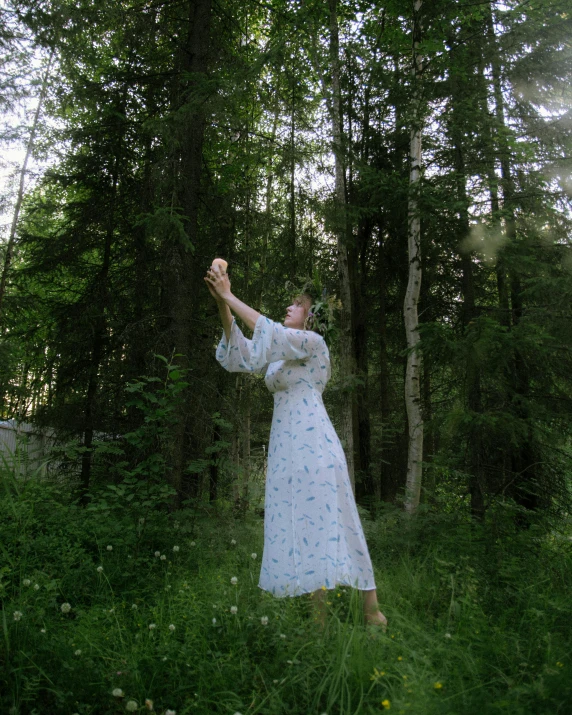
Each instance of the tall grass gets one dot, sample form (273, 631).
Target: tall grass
(480, 619)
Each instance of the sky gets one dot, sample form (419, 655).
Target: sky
(16, 117)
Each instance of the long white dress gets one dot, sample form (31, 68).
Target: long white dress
(312, 532)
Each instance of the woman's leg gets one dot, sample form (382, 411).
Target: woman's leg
(373, 616)
(319, 604)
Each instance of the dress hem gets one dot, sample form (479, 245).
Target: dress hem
(304, 593)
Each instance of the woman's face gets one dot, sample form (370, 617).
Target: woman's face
(297, 313)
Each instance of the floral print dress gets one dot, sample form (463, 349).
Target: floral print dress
(312, 532)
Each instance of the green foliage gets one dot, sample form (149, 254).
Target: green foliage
(479, 616)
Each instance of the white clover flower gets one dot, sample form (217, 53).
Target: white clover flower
(170, 712)
(134, 606)
(214, 621)
(77, 652)
(99, 569)
(447, 635)
(42, 630)
(117, 693)
(163, 557)
(233, 610)
(172, 627)
(164, 658)
(148, 704)
(18, 615)
(175, 549)
(264, 620)
(152, 626)
(252, 556)
(233, 542)
(110, 548)
(36, 587)
(26, 582)
(282, 635)
(65, 608)
(234, 580)
(193, 543)
(131, 706)
(157, 554)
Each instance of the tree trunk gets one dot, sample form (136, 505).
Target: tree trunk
(413, 369)
(472, 397)
(20, 195)
(347, 362)
(385, 487)
(523, 458)
(183, 275)
(245, 413)
(214, 466)
(365, 488)
(99, 338)
(268, 219)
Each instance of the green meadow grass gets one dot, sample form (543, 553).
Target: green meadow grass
(480, 619)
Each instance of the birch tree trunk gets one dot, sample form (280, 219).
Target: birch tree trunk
(413, 369)
(347, 361)
(20, 196)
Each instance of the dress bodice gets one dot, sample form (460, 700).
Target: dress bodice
(289, 358)
(293, 375)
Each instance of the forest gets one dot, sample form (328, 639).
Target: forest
(411, 162)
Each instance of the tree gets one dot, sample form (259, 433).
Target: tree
(413, 372)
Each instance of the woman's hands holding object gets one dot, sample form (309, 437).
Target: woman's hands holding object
(218, 284)
(217, 280)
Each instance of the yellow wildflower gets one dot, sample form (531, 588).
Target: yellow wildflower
(386, 704)
(438, 686)
(376, 674)
(324, 588)
(399, 657)
(559, 664)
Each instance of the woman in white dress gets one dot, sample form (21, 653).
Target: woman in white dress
(313, 538)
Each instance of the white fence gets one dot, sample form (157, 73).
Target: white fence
(24, 448)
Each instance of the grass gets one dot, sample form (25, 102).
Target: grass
(479, 618)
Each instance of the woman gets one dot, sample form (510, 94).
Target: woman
(313, 538)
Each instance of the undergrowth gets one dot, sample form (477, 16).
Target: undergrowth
(140, 602)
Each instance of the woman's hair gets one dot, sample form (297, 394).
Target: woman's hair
(310, 323)
(320, 318)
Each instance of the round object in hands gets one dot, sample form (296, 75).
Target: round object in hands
(221, 263)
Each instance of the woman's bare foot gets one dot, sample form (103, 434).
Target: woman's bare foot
(376, 619)
(373, 616)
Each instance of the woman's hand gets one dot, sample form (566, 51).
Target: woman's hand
(218, 283)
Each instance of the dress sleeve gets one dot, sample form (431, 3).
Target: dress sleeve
(235, 354)
(270, 342)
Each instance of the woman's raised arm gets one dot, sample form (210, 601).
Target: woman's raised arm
(218, 284)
